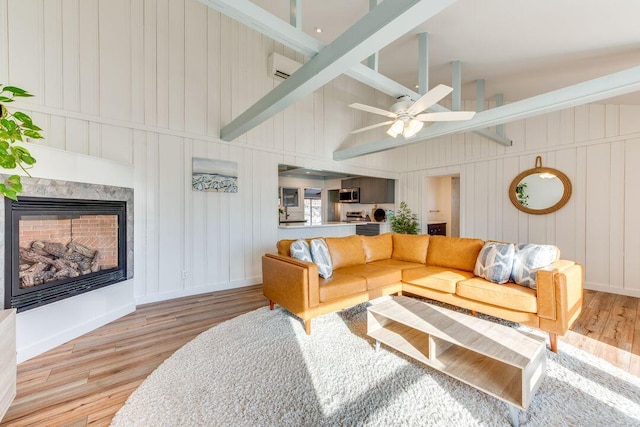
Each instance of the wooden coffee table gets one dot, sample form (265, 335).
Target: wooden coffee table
(496, 359)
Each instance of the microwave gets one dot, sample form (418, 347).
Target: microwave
(350, 195)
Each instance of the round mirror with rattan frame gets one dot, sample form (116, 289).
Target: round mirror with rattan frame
(539, 169)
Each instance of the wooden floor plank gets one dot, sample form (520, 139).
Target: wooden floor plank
(87, 380)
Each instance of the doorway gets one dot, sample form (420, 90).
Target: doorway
(442, 202)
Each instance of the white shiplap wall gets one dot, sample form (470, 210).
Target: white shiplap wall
(150, 83)
(596, 145)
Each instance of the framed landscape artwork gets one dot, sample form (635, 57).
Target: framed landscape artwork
(214, 175)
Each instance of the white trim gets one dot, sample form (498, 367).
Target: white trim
(211, 287)
(611, 290)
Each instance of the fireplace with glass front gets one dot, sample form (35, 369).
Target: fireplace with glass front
(58, 248)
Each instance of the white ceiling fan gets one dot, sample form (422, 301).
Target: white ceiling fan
(406, 116)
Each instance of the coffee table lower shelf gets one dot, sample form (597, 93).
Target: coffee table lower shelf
(490, 357)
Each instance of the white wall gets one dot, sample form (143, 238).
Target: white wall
(597, 146)
(149, 83)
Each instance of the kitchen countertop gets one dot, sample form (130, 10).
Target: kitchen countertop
(324, 224)
(328, 224)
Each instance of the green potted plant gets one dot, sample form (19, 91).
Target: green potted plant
(14, 127)
(403, 221)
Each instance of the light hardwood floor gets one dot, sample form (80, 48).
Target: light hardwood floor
(86, 381)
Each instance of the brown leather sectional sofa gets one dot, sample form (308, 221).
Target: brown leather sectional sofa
(435, 267)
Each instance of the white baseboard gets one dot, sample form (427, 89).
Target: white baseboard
(211, 287)
(612, 290)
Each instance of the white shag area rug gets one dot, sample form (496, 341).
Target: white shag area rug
(261, 369)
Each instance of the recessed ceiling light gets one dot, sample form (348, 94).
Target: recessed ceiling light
(417, 86)
(318, 30)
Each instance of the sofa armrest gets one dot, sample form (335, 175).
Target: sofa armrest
(290, 283)
(559, 294)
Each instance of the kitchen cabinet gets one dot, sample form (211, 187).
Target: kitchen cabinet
(350, 183)
(372, 190)
(373, 229)
(437, 229)
(368, 229)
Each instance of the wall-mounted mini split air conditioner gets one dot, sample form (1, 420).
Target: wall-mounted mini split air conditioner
(280, 67)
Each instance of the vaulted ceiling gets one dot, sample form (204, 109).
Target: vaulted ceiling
(520, 48)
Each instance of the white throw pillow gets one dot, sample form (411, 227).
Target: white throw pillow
(300, 250)
(320, 255)
(528, 258)
(495, 262)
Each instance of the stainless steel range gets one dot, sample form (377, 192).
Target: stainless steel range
(357, 216)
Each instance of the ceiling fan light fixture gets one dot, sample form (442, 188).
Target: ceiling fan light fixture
(412, 128)
(396, 128)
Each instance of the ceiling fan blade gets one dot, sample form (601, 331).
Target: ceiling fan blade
(377, 125)
(447, 116)
(373, 110)
(429, 98)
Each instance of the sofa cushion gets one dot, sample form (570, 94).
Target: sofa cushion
(394, 263)
(345, 251)
(320, 255)
(454, 252)
(509, 295)
(495, 262)
(410, 247)
(439, 278)
(377, 248)
(528, 258)
(340, 285)
(284, 246)
(300, 250)
(375, 276)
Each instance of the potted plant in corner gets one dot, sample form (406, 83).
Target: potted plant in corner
(403, 221)
(14, 127)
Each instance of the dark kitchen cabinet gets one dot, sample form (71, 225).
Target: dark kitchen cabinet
(350, 183)
(439, 229)
(373, 190)
(368, 229)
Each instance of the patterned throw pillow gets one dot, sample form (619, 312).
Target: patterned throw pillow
(528, 258)
(495, 262)
(320, 255)
(300, 250)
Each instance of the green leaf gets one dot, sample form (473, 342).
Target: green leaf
(28, 159)
(5, 99)
(8, 162)
(32, 134)
(9, 193)
(22, 117)
(14, 179)
(16, 91)
(30, 126)
(10, 125)
(17, 188)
